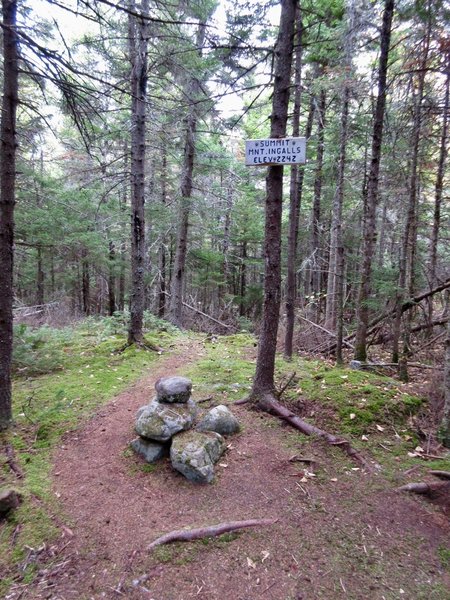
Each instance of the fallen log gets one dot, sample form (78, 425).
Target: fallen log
(269, 404)
(187, 535)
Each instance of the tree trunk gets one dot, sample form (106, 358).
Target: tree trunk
(162, 246)
(7, 202)
(369, 226)
(85, 285)
(336, 219)
(406, 270)
(243, 280)
(40, 278)
(139, 32)
(316, 269)
(112, 279)
(178, 275)
(265, 365)
(438, 194)
(445, 427)
(294, 199)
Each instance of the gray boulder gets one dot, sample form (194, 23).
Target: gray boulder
(159, 422)
(194, 454)
(173, 389)
(219, 419)
(9, 500)
(150, 451)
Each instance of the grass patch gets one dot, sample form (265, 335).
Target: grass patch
(84, 371)
(225, 371)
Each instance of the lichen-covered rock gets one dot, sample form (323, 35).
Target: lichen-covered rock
(149, 450)
(9, 500)
(173, 389)
(219, 419)
(194, 454)
(159, 422)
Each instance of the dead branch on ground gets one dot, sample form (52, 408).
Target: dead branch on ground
(269, 404)
(441, 474)
(11, 461)
(185, 535)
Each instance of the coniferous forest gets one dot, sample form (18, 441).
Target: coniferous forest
(131, 224)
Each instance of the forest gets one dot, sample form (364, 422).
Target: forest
(137, 244)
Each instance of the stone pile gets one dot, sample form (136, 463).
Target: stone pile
(172, 424)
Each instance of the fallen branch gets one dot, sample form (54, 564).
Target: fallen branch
(11, 461)
(441, 474)
(371, 365)
(183, 535)
(269, 404)
(408, 304)
(427, 489)
(207, 316)
(286, 385)
(344, 341)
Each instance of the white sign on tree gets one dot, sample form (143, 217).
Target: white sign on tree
(285, 151)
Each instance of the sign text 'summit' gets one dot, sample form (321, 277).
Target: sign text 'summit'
(286, 151)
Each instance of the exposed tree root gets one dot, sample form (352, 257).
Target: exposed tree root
(144, 345)
(441, 474)
(183, 535)
(11, 461)
(269, 404)
(427, 489)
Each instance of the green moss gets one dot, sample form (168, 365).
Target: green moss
(444, 556)
(225, 371)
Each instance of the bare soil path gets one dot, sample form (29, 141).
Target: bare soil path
(341, 534)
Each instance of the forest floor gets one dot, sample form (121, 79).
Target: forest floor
(339, 532)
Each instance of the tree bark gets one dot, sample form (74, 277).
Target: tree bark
(112, 279)
(406, 270)
(7, 202)
(295, 198)
(162, 246)
(316, 250)
(178, 276)
(438, 193)
(445, 426)
(336, 220)
(265, 365)
(40, 278)
(369, 227)
(139, 32)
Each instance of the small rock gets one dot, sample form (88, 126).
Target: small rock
(173, 389)
(219, 419)
(159, 422)
(356, 365)
(150, 451)
(9, 500)
(194, 454)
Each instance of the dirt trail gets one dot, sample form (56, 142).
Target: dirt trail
(350, 538)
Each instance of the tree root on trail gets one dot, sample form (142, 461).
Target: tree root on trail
(184, 535)
(427, 489)
(441, 474)
(11, 461)
(144, 345)
(269, 404)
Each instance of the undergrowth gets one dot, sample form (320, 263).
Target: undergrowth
(60, 378)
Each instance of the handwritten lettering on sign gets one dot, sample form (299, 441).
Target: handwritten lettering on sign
(286, 151)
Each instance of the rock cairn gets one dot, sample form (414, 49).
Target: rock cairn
(172, 424)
